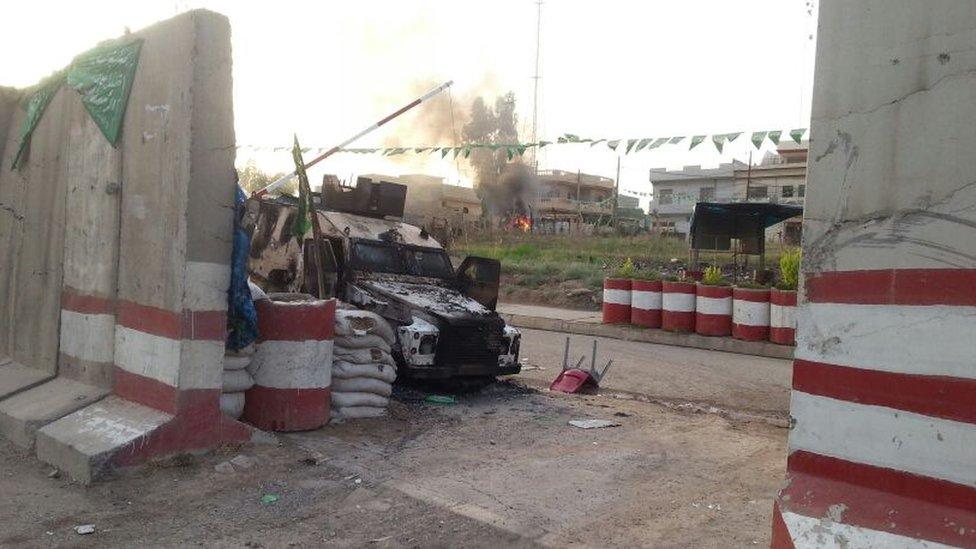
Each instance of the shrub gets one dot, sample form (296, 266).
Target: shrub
(626, 270)
(647, 275)
(713, 277)
(789, 269)
(751, 285)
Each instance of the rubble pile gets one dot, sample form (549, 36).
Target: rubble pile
(236, 380)
(363, 370)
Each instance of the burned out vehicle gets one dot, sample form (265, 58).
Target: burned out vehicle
(444, 318)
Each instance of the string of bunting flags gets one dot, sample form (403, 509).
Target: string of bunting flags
(626, 146)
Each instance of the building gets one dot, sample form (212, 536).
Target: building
(570, 202)
(778, 178)
(677, 192)
(432, 203)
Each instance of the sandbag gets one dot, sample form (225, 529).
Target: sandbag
(232, 362)
(232, 404)
(357, 412)
(361, 323)
(342, 400)
(347, 370)
(236, 381)
(362, 342)
(363, 385)
(363, 356)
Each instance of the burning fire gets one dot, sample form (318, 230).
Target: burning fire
(522, 223)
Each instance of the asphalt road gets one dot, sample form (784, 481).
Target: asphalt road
(677, 375)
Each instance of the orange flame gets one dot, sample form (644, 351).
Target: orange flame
(522, 223)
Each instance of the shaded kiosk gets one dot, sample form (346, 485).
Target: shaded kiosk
(738, 228)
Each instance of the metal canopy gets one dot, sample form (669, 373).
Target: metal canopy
(714, 225)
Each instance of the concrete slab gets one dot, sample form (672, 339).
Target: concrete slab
(81, 444)
(16, 377)
(23, 414)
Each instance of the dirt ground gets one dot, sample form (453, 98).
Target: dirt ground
(500, 468)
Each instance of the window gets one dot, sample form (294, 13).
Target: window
(787, 191)
(758, 191)
(665, 196)
(433, 263)
(706, 194)
(802, 191)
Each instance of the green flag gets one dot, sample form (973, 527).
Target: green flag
(642, 143)
(35, 106)
(675, 140)
(774, 136)
(696, 140)
(103, 77)
(658, 142)
(596, 142)
(757, 138)
(445, 151)
(630, 145)
(302, 222)
(797, 134)
(613, 144)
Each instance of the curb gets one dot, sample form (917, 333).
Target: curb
(651, 335)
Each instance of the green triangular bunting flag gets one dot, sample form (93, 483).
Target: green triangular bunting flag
(757, 138)
(797, 134)
(613, 144)
(641, 144)
(658, 142)
(630, 145)
(675, 140)
(103, 76)
(302, 221)
(774, 136)
(696, 140)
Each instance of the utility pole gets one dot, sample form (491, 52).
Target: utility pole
(748, 176)
(535, 88)
(616, 192)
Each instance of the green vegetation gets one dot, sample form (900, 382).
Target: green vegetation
(626, 270)
(789, 269)
(712, 276)
(536, 261)
(751, 285)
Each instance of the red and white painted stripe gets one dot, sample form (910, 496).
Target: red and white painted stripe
(645, 307)
(292, 366)
(750, 314)
(616, 300)
(713, 310)
(883, 448)
(782, 316)
(678, 306)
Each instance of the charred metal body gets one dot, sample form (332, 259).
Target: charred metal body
(445, 319)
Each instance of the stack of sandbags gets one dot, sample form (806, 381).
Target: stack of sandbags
(363, 370)
(236, 380)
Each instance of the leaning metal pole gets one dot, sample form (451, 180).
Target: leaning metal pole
(349, 141)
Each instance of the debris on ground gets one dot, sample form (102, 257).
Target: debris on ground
(593, 423)
(444, 400)
(243, 462)
(85, 529)
(224, 467)
(268, 499)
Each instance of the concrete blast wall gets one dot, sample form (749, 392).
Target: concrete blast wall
(115, 262)
(883, 450)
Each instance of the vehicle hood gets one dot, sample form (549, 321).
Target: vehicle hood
(446, 303)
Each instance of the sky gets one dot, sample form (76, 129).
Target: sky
(608, 69)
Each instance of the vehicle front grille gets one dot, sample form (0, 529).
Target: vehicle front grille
(467, 345)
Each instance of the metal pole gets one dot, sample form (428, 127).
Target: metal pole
(535, 89)
(566, 354)
(593, 358)
(347, 142)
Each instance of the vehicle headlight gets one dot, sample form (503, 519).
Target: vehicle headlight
(428, 344)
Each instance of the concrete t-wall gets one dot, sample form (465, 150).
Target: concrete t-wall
(114, 276)
(883, 450)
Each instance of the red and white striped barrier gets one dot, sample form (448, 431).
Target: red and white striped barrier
(645, 303)
(616, 300)
(292, 365)
(782, 316)
(713, 310)
(750, 314)
(678, 306)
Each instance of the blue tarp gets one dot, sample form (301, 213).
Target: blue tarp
(242, 319)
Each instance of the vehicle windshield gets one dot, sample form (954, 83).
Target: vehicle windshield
(384, 257)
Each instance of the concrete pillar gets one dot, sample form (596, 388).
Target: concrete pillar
(883, 449)
(146, 246)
